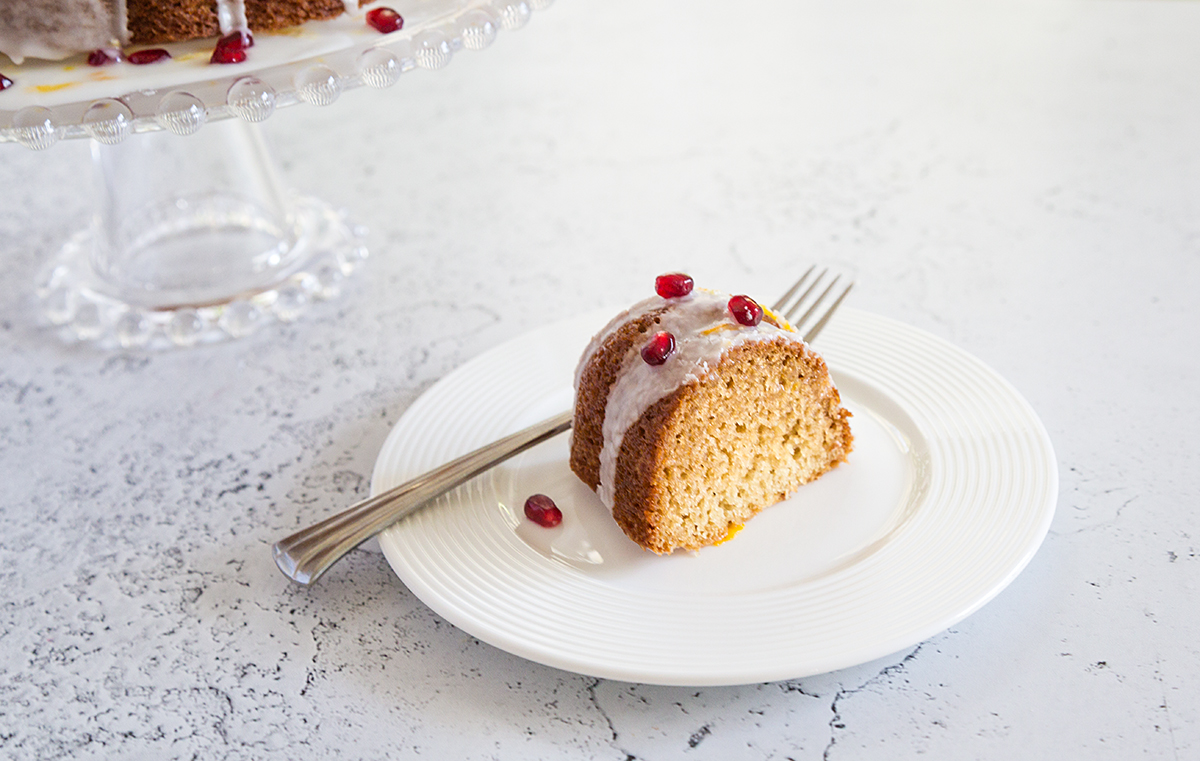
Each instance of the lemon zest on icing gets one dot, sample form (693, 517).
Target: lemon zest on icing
(779, 319)
(718, 327)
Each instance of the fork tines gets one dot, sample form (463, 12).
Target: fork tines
(820, 294)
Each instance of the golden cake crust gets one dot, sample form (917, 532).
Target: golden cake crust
(171, 20)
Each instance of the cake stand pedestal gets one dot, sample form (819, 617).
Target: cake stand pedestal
(195, 240)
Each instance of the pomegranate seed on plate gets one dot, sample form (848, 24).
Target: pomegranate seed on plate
(385, 20)
(661, 346)
(745, 310)
(5, 82)
(103, 56)
(152, 55)
(232, 47)
(541, 510)
(673, 285)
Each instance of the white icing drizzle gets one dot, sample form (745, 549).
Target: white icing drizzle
(698, 349)
(231, 16)
(120, 25)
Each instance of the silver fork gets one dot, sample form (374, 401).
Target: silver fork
(308, 553)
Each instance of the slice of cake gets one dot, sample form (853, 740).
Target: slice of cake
(694, 410)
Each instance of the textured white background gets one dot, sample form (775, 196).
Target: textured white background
(1021, 179)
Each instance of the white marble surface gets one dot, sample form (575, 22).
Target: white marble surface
(1021, 179)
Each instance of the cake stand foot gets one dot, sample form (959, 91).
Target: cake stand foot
(194, 240)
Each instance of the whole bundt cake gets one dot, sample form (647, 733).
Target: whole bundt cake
(55, 29)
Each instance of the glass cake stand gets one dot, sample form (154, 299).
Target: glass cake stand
(199, 240)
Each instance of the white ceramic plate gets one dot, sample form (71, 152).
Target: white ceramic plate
(946, 497)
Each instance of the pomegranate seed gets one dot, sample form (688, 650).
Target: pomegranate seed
(745, 310)
(232, 47)
(152, 55)
(661, 346)
(228, 55)
(5, 82)
(385, 20)
(541, 510)
(103, 56)
(673, 285)
(241, 37)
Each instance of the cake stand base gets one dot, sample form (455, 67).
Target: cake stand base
(194, 241)
(82, 305)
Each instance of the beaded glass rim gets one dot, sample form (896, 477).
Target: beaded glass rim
(314, 63)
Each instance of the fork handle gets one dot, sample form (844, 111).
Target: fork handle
(308, 553)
